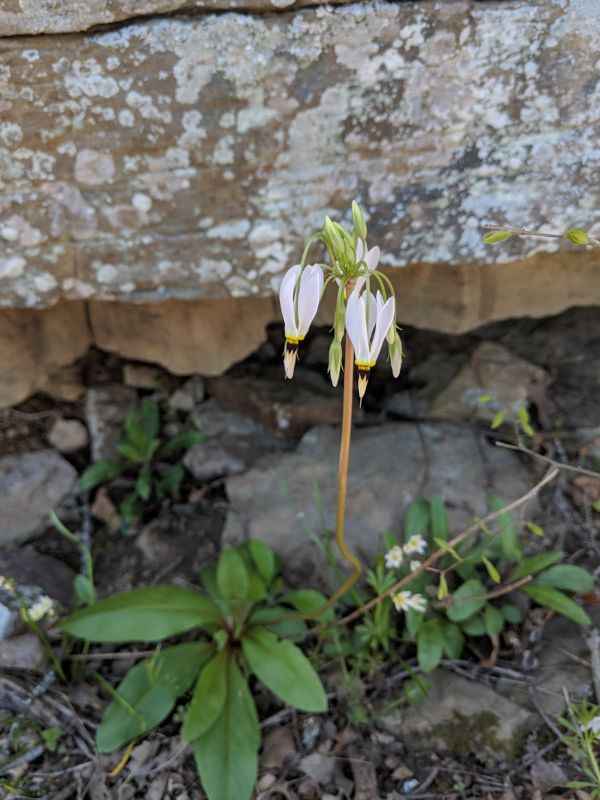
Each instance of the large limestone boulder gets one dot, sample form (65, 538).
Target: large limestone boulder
(187, 157)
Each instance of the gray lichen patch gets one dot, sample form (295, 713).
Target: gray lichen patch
(190, 156)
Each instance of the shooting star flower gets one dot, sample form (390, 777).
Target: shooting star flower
(299, 296)
(368, 320)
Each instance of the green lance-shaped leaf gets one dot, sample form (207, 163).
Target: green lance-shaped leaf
(466, 600)
(496, 236)
(474, 626)
(557, 601)
(99, 473)
(430, 645)
(284, 669)
(150, 417)
(509, 532)
(148, 694)
(143, 615)
(227, 753)
(439, 517)
(493, 620)
(453, 639)
(529, 566)
(182, 441)
(309, 600)
(577, 236)
(209, 697)
(416, 518)
(263, 558)
(232, 576)
(511, 614)
(566, 576)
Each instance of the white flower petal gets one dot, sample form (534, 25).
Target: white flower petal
(372, 258)
(384, 320)
(309, 295)
(360, 251)
(372, 312)
(356, 325)
(286, 300)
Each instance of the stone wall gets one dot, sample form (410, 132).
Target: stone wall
(181, 155)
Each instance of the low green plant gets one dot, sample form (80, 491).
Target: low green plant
(582, 737)
(245, 622)
(466, 594)
(146, 458)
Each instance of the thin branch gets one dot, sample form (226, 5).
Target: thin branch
(520, 448)
(434, 557)
(524, 232)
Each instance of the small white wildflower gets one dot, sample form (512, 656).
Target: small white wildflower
(416, 544)
(7, 584)
(417, 602)
(43, 607)
(402, 601)
(414, 564)
(594, 725)
(394, 557)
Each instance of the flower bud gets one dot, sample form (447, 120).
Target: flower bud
(335, 361)
(334, 239)
(339, 323)
(396, 354)
(360, 227)
(577, 236)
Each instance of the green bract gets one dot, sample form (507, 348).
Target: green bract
(239, 620)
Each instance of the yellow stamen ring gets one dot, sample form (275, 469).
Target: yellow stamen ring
(294, 339)
(364, 365)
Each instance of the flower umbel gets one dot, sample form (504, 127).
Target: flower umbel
(394, 557)
(299, 296)
(368, 320)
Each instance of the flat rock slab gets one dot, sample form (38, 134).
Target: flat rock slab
(463, 717)
(287, 497)
(31, 484)
(189, 156)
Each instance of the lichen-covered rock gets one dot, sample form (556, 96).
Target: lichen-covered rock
(19, 17)
(463, 717)
(189, 156)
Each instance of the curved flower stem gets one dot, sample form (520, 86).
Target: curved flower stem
(343, 471)
(345, 437)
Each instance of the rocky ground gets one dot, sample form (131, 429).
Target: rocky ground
(267, 469)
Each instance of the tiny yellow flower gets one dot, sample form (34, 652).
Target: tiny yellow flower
(7, 584)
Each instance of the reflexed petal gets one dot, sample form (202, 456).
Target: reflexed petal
(356, 326)
(286, 300)
(362, 352)
(384, 319)
(360, 251)
(372, 312)
(372, 258)
(309, 295)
